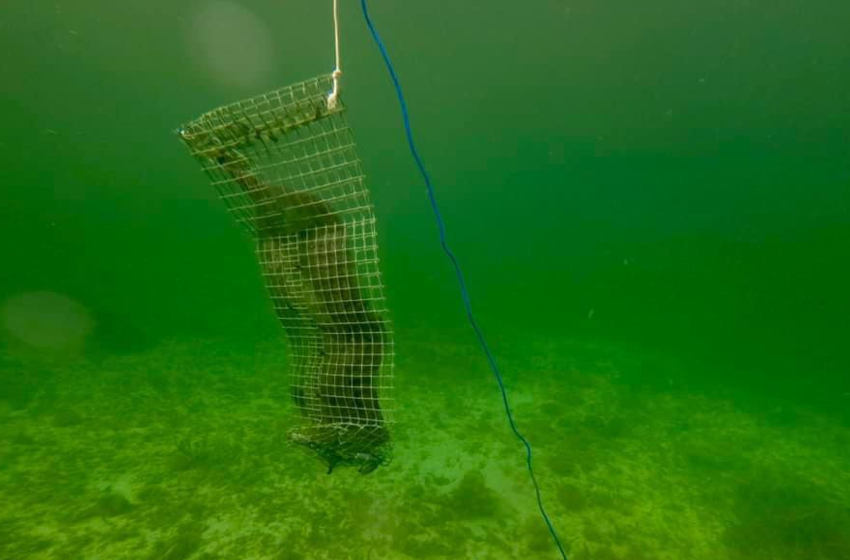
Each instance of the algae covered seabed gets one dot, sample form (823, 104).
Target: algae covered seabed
(178, 452)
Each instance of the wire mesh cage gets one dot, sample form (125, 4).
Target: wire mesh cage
(285, 164)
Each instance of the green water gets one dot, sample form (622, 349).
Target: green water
(651, 204)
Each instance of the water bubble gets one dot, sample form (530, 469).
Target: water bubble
(46, 321)
(233, 44)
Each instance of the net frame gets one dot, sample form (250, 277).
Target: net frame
(286, 166)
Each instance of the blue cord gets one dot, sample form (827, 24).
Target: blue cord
(463, 291)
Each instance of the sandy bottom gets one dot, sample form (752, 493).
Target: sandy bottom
(179, 453)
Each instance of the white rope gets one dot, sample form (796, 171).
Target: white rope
(333, 96)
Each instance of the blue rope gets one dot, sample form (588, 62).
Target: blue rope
(463, 291)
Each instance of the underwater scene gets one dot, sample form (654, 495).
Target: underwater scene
(372, 280)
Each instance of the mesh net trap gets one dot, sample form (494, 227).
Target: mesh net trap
(285, 164)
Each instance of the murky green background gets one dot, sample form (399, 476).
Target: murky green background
(665, 178)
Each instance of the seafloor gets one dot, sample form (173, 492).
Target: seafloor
(178, 452)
